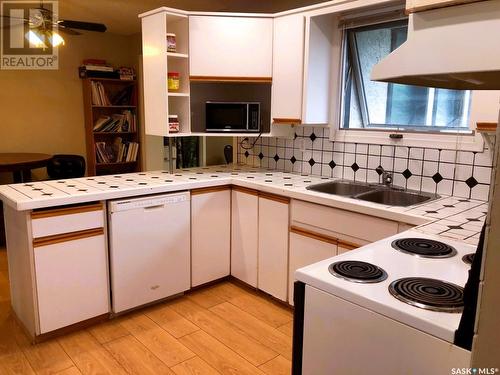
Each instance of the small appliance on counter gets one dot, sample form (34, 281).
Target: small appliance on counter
(236, 117)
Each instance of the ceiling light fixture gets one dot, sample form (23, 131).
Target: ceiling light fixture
(40, 38)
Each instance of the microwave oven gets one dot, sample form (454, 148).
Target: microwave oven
(237, 117)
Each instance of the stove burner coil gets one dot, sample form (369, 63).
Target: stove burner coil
(357, 271)
(424, 248)
(429, 294)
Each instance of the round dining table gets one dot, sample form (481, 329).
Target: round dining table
(20, 164)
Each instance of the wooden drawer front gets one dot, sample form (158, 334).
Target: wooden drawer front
(349, 223)
(74, 219)
(71, 282)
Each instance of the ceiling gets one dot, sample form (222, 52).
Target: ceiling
(120, 16)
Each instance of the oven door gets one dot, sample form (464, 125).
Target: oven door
(226, 117)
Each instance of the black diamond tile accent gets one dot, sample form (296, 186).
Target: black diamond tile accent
(379, 170)
(471, 182)
(293, 160)
(246, 154)
(332, 164)
(472, 219)
(276, 158)
(261, 156)
(431, 212)
(355, 167)
(288, 184)
(407, 174)
(448, 205)
(268, 180)
(311, 162)
(313, 136)
(295, 136)
(463, 200)
(455, 227)
(437, 178)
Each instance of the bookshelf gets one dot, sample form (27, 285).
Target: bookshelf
(114, 146)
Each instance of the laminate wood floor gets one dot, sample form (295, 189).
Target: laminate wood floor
(221, 329)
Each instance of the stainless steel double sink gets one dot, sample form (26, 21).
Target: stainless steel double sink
(375, 193)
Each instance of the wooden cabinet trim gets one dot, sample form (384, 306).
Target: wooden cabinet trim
(211, 189)
(486, 126)
(287, 121)
(245, 190)
(66, 211)
(348, 245)
(66, 237)
(313, 235)
(274, 197)
(414, 6)
(231, 79)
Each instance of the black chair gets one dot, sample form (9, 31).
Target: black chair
(66, 166)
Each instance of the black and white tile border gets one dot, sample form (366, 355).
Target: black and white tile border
(455, 173)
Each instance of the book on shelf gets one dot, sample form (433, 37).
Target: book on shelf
(118, 122)
(119, 151)
(99, 95)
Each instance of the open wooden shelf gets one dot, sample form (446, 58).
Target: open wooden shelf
(93, 112)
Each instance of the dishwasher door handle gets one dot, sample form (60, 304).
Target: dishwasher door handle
(153, 208)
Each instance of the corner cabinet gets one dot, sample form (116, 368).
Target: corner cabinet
(237, 48)
(244, 234)
(288, 69)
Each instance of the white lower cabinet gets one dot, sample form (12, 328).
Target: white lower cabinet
(273, 246)
(72, 282)
(244, 234)
(307, 248)
(210, 234)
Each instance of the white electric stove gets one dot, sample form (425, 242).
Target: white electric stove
(390, 307)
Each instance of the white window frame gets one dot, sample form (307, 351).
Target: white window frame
(484, 108)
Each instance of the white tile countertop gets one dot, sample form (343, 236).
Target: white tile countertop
(450, 217)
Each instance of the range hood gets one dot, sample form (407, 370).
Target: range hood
(455, 47)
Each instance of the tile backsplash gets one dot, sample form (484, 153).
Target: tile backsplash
(458, 173)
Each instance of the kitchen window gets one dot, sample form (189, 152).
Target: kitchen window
(388, 106)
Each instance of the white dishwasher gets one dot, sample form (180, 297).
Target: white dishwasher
(149, 249)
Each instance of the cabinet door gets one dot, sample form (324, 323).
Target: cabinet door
(244, 233)
(71, 281)
(307, 249)
(210, 235)
(273, 247)
(230, 46)
(288, 68)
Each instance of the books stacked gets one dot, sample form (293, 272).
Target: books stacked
(124, 122)
(118, 152)
(97, 68)
(99, 96)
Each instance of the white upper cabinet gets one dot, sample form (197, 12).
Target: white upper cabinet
(288, 69)
(319, 67)
(230, 46)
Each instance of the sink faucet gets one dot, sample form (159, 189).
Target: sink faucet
(387, 178)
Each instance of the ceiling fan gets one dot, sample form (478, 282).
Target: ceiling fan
(42, 22)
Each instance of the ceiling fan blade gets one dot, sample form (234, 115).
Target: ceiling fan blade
(14, 18)
(68, 31)
(90, 26)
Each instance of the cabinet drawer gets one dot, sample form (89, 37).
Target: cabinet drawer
(338, 221)
(66, 220)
